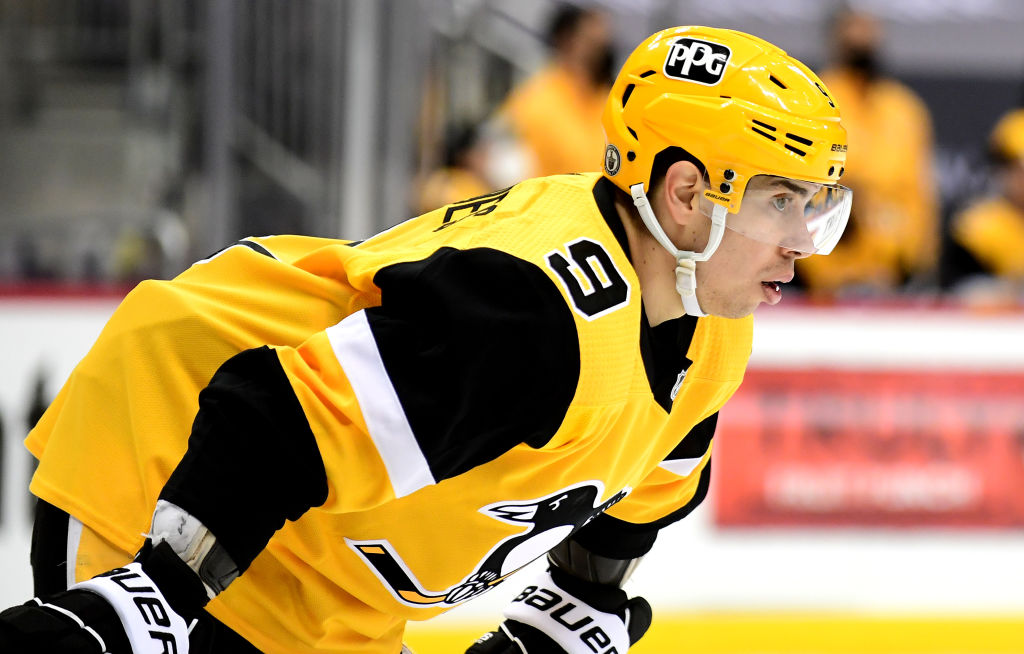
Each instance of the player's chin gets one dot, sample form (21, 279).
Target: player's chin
(736, 309)
(739, 302)
(742, 309)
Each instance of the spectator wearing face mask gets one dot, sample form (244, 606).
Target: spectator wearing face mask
(892, 237)
(985, 255)
(555, 115)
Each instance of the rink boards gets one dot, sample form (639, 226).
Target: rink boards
(789, 586)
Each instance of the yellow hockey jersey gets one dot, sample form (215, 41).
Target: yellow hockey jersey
(992, 231)
(480, 381)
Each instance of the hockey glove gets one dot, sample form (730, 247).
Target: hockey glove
(124, 611)
(560, 613)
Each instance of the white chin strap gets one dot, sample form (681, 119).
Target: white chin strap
(686, 261)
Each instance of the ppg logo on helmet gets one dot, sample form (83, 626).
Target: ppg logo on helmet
(697, 61)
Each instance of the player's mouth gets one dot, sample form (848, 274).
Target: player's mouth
(773, 289)
(772, 292)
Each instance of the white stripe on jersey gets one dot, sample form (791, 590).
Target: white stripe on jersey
(681, 467)
(356, 351)
(74, 540)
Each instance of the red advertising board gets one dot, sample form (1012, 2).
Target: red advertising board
(806, 447)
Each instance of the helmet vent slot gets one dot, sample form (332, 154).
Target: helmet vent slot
(635, 137)
(775, 80)
(799, 139)
(796, 150)
(766, 126)
(647, 73)
(627, 93)
(827, 96)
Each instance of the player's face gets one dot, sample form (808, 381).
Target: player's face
(742, 274)
(790, 213)
(1013, 182)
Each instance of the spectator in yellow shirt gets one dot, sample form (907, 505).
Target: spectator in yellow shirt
(989, 233)
(893, 233)
(556, 113)
(463, 173)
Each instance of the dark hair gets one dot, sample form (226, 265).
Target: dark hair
(662, 162)
(565, 19)
(664, 159)
(459, 138)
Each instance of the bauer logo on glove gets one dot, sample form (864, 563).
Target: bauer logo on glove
(144, 612)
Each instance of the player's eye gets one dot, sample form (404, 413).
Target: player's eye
(780, 202)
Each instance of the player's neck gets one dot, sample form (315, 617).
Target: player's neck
(654, 267)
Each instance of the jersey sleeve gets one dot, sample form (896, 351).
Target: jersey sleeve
(668, 494)
(470, 353)
(481, 350)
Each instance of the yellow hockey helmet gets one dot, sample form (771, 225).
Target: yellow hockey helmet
(742, 108)
(1007, 139)
(740, 105)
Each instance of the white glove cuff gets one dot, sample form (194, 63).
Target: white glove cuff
(577, 627)
(149, 621)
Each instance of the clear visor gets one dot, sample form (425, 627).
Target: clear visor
(803, 216)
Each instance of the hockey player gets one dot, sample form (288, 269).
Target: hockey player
(299, 444)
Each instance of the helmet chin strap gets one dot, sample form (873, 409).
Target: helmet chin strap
(686, 260)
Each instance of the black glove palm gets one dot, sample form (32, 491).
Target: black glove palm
(75, 621)
(138, 608)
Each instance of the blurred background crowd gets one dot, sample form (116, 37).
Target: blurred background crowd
(139, 135)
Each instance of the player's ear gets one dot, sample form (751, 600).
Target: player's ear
(681, 191)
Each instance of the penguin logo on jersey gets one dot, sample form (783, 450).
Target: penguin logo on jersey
(548, 521)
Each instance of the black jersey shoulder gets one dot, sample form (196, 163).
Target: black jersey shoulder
(482, 351)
